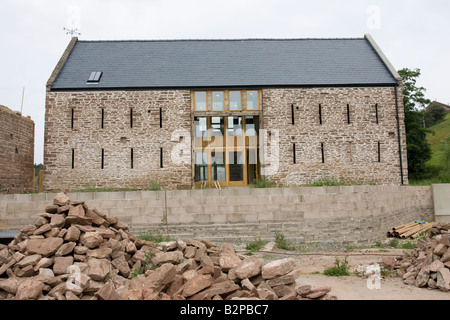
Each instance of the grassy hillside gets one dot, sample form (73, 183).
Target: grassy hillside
(437, 171)
(441, 132)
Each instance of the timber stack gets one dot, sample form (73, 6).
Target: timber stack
(411, 230)
(73, 252)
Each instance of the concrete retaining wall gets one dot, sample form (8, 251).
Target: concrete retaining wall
(350, 214)
(441, 199)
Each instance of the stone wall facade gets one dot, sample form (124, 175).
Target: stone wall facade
(16, 152)
(354, 128)
(127, 139)
(345, 214)
(118, 139)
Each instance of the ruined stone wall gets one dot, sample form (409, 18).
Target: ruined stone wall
(16, 152)
(361, 150)
(160, 121)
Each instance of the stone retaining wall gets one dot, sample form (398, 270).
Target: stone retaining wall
(346, 214)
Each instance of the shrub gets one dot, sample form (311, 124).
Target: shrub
(156, 238)
(263, 183)
(408, 245)
(281, 242)
(155, 186)
(333, 182)
(325, 182)
(143, 267)
(339, 269)
(394, 243)
(255, 245)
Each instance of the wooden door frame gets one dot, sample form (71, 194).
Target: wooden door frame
(226, 148)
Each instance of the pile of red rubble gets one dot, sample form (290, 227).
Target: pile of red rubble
(73, 252)
(428, 264)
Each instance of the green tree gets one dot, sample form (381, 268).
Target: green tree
(419, 151)
(434, 114)
(38, 167)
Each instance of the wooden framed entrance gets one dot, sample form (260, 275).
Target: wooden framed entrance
(225, 150)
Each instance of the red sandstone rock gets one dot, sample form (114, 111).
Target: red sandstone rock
(98, 268)
(250, 267)
(196, 284)
(278, 268)
(44, 247)
(29, 290)
(107, 292)
(443, 279)
(91, 239)
(77, 211)
(61, 199)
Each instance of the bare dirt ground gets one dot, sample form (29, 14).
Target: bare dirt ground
(355, 287)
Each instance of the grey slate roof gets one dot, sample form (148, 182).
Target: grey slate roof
(224, 63)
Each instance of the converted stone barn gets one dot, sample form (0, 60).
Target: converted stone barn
(16, 152)
(210, 113)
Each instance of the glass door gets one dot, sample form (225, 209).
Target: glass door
(236, 166)
(218, 170)
(225, 150)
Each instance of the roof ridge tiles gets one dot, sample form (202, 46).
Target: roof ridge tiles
(236, 39)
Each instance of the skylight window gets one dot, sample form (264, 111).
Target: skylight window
(95, 77)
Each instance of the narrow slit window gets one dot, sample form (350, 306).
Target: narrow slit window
(160, 117)
(348, 113)
(293, 153)
(322, 152)
(132, 158)
(292, 114)
(103, 119)
(350, 150)
(376, 113)
(379, 152)
(131, 117)
(103, 159)
(320, 113)
(73, 158)
(161, 157)
(72, 117)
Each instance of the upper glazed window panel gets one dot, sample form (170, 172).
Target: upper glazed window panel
(252, 100)
(200, 101)
(235, 100)
(217, 101)
(226, 100)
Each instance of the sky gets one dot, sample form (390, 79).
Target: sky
(411, 33)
